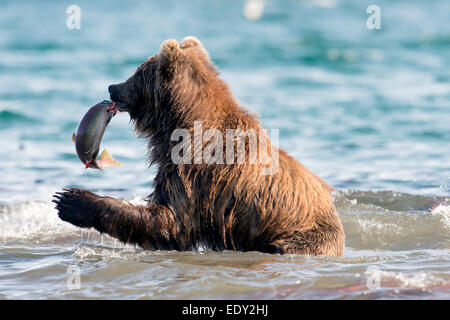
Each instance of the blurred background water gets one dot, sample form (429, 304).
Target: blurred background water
(367, 110)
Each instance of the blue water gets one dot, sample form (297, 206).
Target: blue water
(366, 110)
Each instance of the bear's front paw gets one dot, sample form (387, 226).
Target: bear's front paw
(77, 207)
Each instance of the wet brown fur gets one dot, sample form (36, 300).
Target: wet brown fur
(217, 206)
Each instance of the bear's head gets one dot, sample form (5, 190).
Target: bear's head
(165, 85)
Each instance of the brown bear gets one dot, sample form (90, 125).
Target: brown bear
(218, 205)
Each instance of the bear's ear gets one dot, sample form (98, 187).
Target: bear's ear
(190, 42)
(193, 42)
(170, 50)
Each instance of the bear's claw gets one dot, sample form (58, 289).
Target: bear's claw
(76, 206)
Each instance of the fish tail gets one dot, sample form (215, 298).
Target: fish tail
(106, 160)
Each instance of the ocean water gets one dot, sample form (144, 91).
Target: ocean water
(367, 110)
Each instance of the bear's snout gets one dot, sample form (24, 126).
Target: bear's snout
(114, 94)
(112, 89)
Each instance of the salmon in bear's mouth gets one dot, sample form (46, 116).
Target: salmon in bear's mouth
(120, 106)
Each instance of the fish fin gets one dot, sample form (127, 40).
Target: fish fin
(106, 160)
(74, 137)
(88, 164)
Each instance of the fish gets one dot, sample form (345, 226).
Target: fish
(89, 133)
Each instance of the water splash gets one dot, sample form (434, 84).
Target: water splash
(443, 211)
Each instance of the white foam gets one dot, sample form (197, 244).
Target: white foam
(36, 221)
(444, 212)
(137, 201)
(96, 252)
(417, 280)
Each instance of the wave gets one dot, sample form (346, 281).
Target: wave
(382, 220)
(8, 118)
(394, 221)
